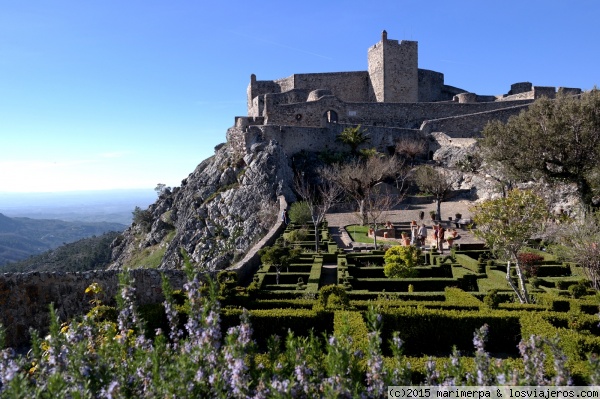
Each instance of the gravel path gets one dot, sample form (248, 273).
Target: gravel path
(338, 221)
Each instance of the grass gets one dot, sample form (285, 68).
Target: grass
(360, 234)
(151, 257)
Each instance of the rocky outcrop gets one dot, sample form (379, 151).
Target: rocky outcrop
(476, 181)
(228, 203)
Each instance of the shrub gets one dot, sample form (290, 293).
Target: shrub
(296, 235)
(530, 262)
(334, 297)
(578, 290)
(300, 213)
(143, 218)
(492, 299)
(400, 261)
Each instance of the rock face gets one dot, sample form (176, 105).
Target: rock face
(219, 211)
(475, 180)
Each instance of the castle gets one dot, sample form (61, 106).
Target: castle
(391, 99)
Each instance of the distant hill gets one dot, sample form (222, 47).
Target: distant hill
(80, 206)
(91, 253)
(22, 237)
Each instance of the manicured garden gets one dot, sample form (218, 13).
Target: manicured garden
(323, 324)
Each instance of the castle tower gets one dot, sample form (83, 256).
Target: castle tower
(393, 70)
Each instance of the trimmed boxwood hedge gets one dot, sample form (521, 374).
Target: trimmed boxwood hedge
(268, 322)
(435, 332)
(458, 296)
(469, 263)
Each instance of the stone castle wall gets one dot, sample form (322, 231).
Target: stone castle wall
(25, 297)
(403, 115)
(467, 126)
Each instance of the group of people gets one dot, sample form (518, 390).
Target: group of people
(419, 235)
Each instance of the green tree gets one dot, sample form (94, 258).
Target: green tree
(353, 137)
(278, 255)
(400, 261)
(300, 213)
(506, 224)
(433, 181)
(558, 140)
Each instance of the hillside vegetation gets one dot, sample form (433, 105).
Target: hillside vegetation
(92, 253)
(23, 237)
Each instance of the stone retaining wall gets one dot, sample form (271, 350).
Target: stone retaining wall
(25, 297)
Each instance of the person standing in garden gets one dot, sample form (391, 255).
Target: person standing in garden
(422, 234)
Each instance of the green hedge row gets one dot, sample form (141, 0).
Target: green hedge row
(363, 305)
(460, 297)
(355, 325)
(575, 345)
(364, 295)
(268, 322)
(401, 285)
(436, 332)
(469, 263)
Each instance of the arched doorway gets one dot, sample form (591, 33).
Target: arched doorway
(331, 116)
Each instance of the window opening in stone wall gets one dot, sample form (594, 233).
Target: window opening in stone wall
(331, 116)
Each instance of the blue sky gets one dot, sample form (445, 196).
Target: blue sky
(127, 94)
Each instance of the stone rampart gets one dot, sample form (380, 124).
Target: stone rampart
(25, 297)
(466, 126)
(402, 115)
(246, 268)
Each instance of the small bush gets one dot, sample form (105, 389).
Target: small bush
(492, 299)
(578, 290)
(334, 297)
(296, 235)
(400, 261)
(300, 213)
(530, 262)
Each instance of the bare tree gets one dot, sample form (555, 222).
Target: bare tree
(411, 147)
(581, 244)
(380, 200)
(435, 182)
(358, 178)
(320, 197)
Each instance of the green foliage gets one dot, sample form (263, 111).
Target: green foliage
(558, 140)
(92, 253)
(143, 218)
(353, 137)
(300, 213)
(400, 261)
(278, 255)
(433, 181)
(506, 224)
(578, 290)
(227, 281)
(469, 163)
(492, 299)
(415, 326)
(296, 235)
(580, 243)
(333, 297)
(460, 297)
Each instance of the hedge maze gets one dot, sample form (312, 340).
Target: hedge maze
(452, 295)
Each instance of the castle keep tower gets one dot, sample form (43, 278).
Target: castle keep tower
(393, 70)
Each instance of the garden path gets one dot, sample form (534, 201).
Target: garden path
(405, 214)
